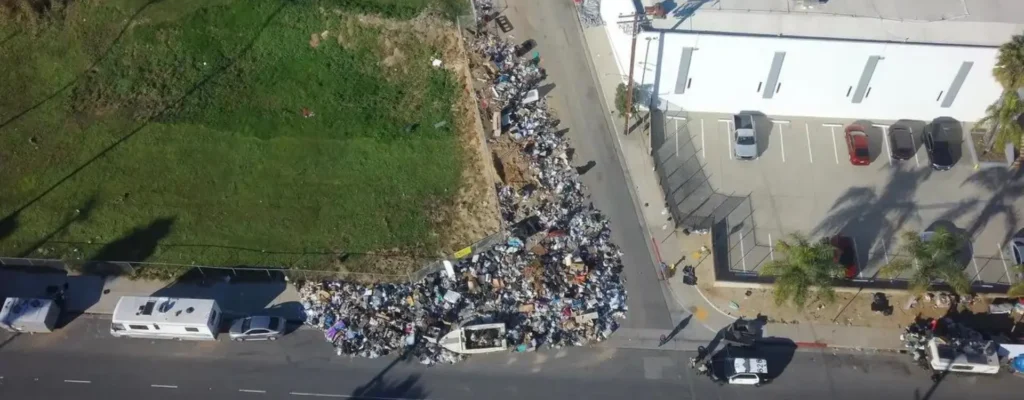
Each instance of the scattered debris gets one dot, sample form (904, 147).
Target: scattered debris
(590, 12)
(554, 282)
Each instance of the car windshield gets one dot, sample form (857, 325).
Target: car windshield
(275, 324)
(861, 153)
(245, 324)
(745, 140)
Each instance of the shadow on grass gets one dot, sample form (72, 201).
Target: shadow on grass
(77, 215)
(202, 82)
(124, 28)
(138, 245)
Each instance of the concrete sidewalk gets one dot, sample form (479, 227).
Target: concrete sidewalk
(88, 294)
(674, 248)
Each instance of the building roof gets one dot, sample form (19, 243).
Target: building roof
(951, 22)
(163, 310)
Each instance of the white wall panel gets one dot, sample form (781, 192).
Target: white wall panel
(817, 74)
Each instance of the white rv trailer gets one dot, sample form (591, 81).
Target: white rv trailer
(29, 315)
(166, 318)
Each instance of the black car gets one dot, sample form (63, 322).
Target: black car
(938, 142)
(901, 143)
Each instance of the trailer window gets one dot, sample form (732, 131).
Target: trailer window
(961, 368)
(139, 327)
(191, 329)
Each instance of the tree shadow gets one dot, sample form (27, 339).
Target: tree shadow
(875, 217)
(78, 215)
(136, 246)
(380, 387)
(238, 292)
(124, 29)
(156, 117)
(1005, 187)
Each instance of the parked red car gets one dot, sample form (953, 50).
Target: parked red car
(857, 142)
(845, 254)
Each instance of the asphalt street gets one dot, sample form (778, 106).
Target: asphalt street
(576, 100)
(84, 362)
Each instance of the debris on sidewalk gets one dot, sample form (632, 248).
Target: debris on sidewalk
(590, 13)
(554, 282)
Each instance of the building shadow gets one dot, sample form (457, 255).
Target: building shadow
(381, 387)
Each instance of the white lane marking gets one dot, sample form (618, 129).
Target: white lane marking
(251, 391)
(771, 247)
(885, 252)
(164, 386)
(743, 253)
(75, 381)
(782, 140)
(914, 142)
(810, 154)
(835, 147)
(885, 139)
(1002, 257)
(326, 395)
(728, 136)
(703, 152)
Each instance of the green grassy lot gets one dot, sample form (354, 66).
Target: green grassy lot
(176, 133)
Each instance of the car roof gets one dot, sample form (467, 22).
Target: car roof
(860, 140)
(259, 322)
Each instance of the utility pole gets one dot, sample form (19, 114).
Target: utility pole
(634, 20)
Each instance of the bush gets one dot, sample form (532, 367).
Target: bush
(620, 99)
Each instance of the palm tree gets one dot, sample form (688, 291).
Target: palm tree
(933, 258)
(1002, 115)
(803, 267)
(1017, 290)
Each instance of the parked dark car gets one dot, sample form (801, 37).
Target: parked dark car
(902, 143)
(938, 137)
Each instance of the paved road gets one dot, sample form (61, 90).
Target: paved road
(83, 362)
(577, 102)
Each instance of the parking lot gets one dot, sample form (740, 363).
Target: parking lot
(803, 181)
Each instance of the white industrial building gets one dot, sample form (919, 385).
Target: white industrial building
(865, 59)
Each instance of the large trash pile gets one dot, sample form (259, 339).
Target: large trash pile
(555, 281)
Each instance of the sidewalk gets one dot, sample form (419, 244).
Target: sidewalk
(674, 248)
(88, 294)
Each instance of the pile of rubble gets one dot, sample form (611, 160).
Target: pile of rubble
(555, 281)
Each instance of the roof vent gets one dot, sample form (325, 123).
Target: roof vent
(189, 310)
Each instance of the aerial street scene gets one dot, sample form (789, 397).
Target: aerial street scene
(511, 199)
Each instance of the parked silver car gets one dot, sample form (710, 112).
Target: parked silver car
(257, 328)
(745, 138)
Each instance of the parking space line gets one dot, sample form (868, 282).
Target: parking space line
(676, 124)
(251, 391)
(914, 142)
(1006, 268)
(977, 272)
(75, 381)
(164, 386)
(728, 134)
(743, 253)
(856, 260)
(810, 154)
(782, 137)
(832, 129)
(771, 247)
(703, 152)
(885, 139)
(885, 252)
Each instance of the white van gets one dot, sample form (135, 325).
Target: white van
(166, 318)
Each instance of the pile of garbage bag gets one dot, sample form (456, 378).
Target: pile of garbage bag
(554, 281)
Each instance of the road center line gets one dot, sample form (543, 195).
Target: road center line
(164, 386)
(75, 381)
(810, 154)
(318, 395)
(252, 391)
